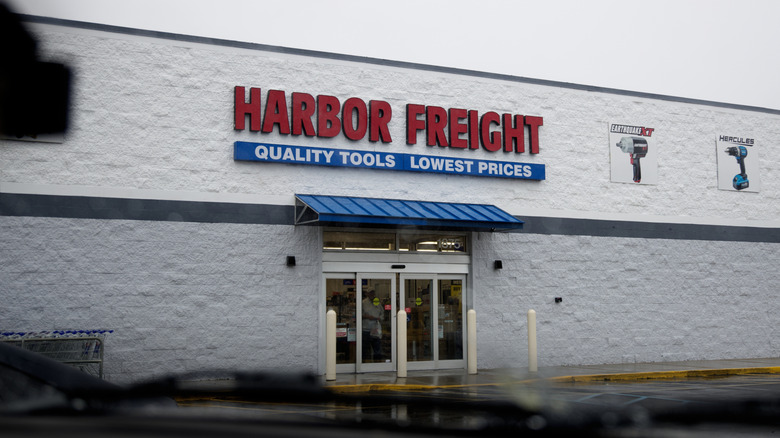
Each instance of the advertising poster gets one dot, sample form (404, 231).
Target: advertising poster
(633, 154)
(738, 163)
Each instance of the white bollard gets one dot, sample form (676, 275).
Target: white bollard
(330, 345)
(401, 324)
(532, 359)
(471, 323)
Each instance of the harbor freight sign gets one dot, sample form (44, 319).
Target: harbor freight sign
(276, 153)
(455, 134)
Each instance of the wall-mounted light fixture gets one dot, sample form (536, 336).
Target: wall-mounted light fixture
(290, 260)
(558, 299)
(498, 264)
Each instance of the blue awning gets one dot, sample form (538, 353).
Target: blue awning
(393, 213)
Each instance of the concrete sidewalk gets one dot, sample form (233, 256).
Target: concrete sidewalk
(435, 379)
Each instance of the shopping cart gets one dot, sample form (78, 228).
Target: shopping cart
(82, 349)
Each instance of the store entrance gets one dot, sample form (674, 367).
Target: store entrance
(367, 304)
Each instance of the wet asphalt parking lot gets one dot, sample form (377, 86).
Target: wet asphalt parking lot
(440, 404)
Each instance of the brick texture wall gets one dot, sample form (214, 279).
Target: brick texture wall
(156, 116)
(180, 297)
(153, 114)
(625, 300)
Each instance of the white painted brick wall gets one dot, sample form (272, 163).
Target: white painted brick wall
(624, 299)
(157, 115)
(179, 296)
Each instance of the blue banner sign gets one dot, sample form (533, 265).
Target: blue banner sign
(276, 153)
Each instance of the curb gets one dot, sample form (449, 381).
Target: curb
(666, 375)
(648, 375)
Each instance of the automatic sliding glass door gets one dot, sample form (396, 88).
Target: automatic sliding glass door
(340, 296)
(365, 306)
(417, 293)
(449, 314)
(377, 322)
(434, 307)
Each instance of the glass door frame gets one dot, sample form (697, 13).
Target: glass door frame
(435, 363)
(350, 264)
(358, 277)
(361, 367)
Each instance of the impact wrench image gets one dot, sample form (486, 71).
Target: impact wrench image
(636, 147)
(740, 180)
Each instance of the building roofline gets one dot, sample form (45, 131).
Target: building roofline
(382, 62)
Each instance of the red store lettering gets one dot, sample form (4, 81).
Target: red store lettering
(479, 131)
(354, 118)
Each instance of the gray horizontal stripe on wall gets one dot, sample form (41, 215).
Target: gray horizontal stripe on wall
(649, 230)
(86, 207)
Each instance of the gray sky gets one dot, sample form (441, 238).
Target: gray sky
(718, 50)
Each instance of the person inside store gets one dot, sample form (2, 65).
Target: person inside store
(372, 328)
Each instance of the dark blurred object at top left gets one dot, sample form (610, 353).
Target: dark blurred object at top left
(34, 95)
